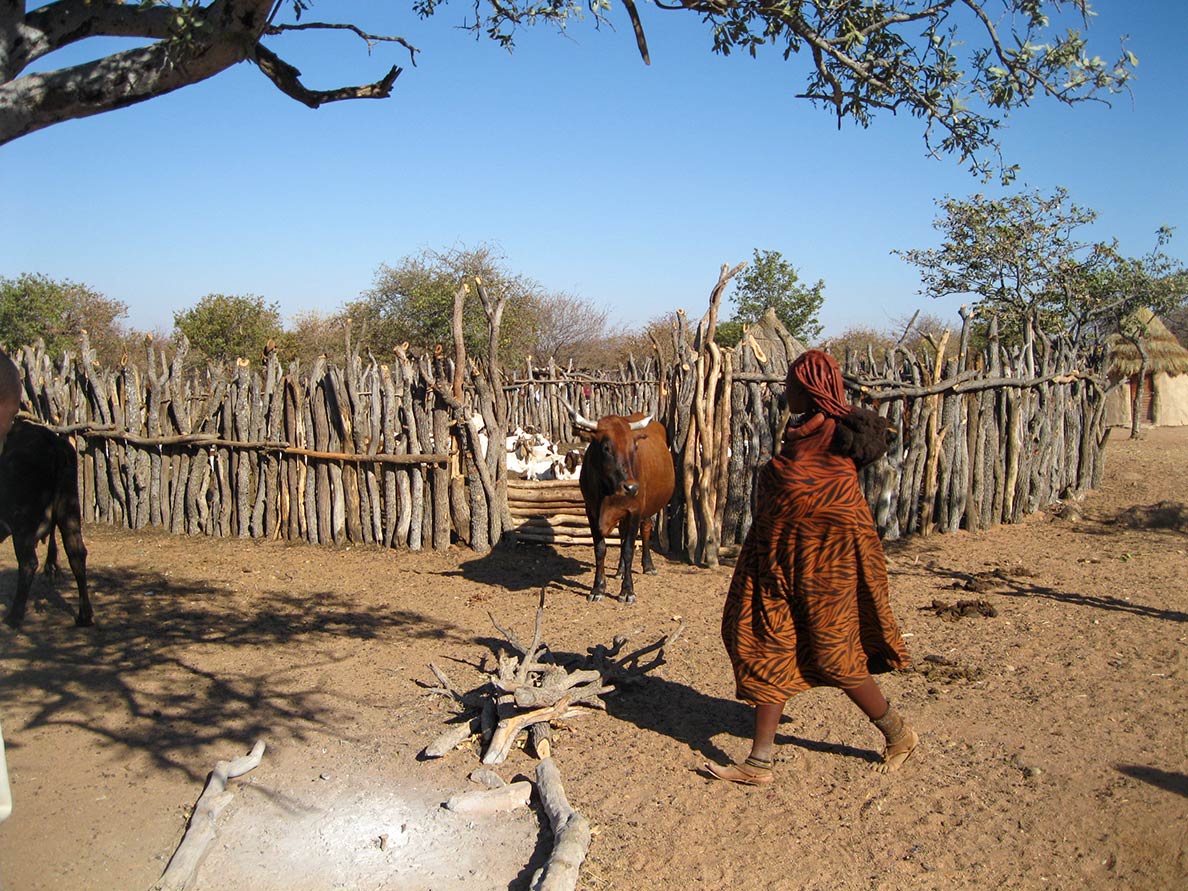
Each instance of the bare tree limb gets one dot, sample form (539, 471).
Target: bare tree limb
(571, 832)
(287, 80)
(179, 873)
(370, 39)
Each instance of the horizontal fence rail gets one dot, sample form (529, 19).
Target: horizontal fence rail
(410, 453)
(361, 454)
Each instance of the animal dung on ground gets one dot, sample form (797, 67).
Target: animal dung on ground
(938, 668)
(962, 609)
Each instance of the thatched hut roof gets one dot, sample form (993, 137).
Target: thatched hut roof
(777, 345)
(1165, 352)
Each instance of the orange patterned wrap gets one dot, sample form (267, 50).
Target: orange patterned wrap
(808, 604)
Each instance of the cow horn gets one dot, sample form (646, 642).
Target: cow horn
(641, 423)
(578, 420)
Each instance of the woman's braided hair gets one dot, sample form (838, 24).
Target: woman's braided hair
(860, 433)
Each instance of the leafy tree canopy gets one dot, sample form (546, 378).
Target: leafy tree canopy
(729, 333)
(770, 281)
(35, 306)
(225, 327)
(413, 302)
(957, 65)
(1118, 289)
(1019, 257)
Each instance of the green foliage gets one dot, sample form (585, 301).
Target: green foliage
(729, 333)
(1119, 289)
(1124, 295)
(35, 306)
(224, 327)
(1022, 260)
(413, 302)
(958, 66)
(1018, 257)
(769, 281)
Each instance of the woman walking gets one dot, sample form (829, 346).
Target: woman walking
(808, 603)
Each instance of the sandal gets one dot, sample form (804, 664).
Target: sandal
(901, 740)
(896, 754)
(752, 772)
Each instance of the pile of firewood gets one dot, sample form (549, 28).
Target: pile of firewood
(529, 691)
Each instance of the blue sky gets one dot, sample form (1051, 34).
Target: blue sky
(624, 184)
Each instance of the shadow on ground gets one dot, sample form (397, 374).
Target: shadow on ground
(1167, 780)
(157, 673)
(1015, 585)
(525, 567)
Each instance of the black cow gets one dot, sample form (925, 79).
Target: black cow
(10, 395)
(38, 492)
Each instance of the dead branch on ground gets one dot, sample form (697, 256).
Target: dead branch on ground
(183, 865)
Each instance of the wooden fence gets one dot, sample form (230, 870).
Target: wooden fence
(358, 454)
(393, 453)
(536, 395)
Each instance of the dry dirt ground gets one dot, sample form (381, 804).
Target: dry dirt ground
(1053, 732)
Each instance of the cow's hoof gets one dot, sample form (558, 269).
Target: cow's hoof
(593, 596)
(12, 622)
(649, 570)
(628, 597)
(84, 621)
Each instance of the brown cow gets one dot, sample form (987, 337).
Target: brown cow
(10, 395)
(38, 492)
(627, 478)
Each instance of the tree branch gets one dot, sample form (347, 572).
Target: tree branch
(37, 101)
(640, 40)
(286, 77)
(370, 39)
(222, 35)
(60, 24)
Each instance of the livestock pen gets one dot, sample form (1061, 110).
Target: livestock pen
(394, 453)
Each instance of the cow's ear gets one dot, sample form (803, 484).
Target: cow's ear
(640, 435)
(585, 435)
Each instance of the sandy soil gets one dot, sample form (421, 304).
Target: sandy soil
(1053, 754)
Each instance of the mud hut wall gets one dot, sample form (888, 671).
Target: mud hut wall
(335, 455)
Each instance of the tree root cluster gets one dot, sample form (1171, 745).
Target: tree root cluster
(527, 693)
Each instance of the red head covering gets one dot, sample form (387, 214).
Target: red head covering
(820, 375)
